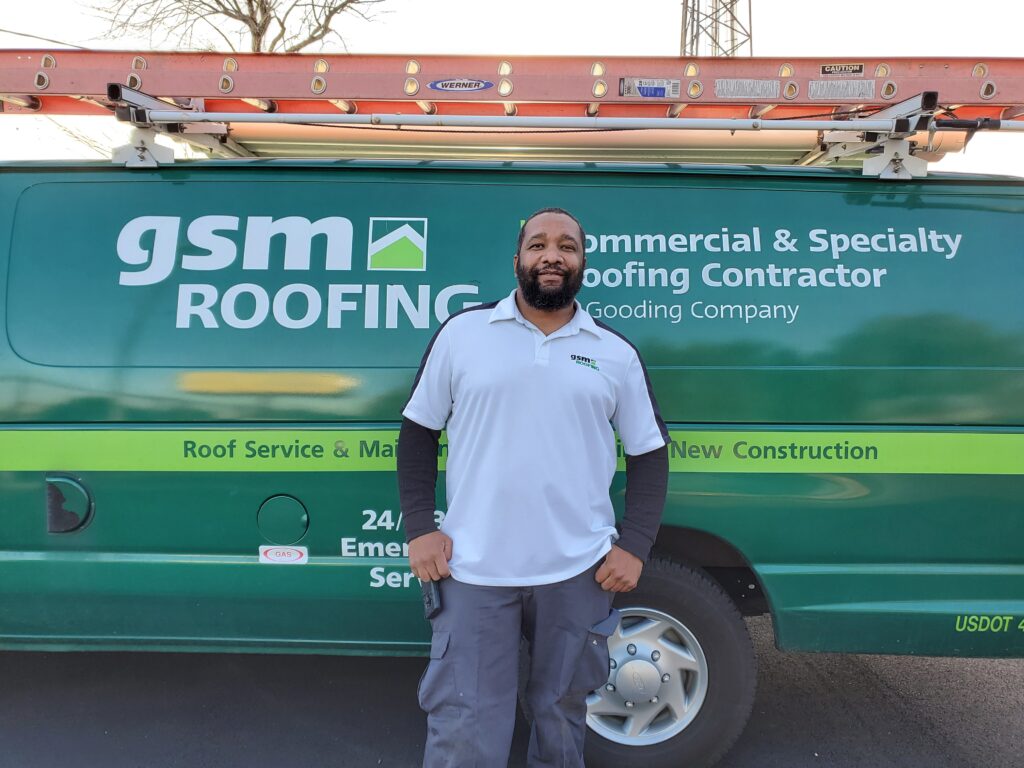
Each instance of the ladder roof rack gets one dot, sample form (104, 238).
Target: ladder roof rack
(890, 114)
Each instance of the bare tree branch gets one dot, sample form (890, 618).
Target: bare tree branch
(259, 25)
(215, 28)
(321, 27)
(282, 22)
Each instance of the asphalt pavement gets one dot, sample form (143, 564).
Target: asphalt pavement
(155, 710)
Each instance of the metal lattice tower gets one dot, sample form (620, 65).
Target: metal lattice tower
(716, 28)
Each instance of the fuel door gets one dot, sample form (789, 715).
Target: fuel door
(69, 507)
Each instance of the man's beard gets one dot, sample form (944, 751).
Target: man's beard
(549, 299)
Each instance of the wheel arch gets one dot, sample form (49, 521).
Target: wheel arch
(719, 559)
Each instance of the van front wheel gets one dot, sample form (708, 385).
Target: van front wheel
(682, 677)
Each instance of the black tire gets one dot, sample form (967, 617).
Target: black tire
(700, 605)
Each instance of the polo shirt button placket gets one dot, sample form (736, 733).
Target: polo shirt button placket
(541, 349)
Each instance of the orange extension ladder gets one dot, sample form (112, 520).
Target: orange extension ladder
(892, 114)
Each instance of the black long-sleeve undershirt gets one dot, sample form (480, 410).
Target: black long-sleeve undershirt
(646, 488)
(417, 477)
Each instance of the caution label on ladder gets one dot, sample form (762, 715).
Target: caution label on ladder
(842, 70)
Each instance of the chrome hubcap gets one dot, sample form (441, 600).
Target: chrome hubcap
(637, 680)
(657, 683)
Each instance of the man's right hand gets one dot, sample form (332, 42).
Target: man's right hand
(429, 555)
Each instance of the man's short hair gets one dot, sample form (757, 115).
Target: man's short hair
(522, 229)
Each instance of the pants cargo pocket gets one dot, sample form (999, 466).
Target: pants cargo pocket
(592, 666)
(436, 683)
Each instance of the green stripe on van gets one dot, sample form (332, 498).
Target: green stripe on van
(316, 450)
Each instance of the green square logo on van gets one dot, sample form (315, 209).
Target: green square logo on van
(397, 244)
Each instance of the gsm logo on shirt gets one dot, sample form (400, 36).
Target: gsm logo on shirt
(586, 362)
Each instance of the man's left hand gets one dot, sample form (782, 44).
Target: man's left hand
(620, 571)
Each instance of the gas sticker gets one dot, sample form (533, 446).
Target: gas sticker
(649, 87)
(842, 70)
(284, 555)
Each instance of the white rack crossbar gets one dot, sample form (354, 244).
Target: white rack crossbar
(164, 117)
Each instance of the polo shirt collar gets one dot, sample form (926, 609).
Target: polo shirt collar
(507, 309)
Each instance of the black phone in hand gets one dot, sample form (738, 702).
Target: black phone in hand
(431, 598)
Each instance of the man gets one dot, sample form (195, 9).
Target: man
(529, 389)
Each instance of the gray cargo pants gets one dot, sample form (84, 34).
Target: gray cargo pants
(470, 686)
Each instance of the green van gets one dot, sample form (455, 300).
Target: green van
(202, 367)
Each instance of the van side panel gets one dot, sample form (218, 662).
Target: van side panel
(154, 275)
(198, 362)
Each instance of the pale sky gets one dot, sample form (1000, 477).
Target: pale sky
(786, 28)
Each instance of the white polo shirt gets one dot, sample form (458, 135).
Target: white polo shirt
(531, 447)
